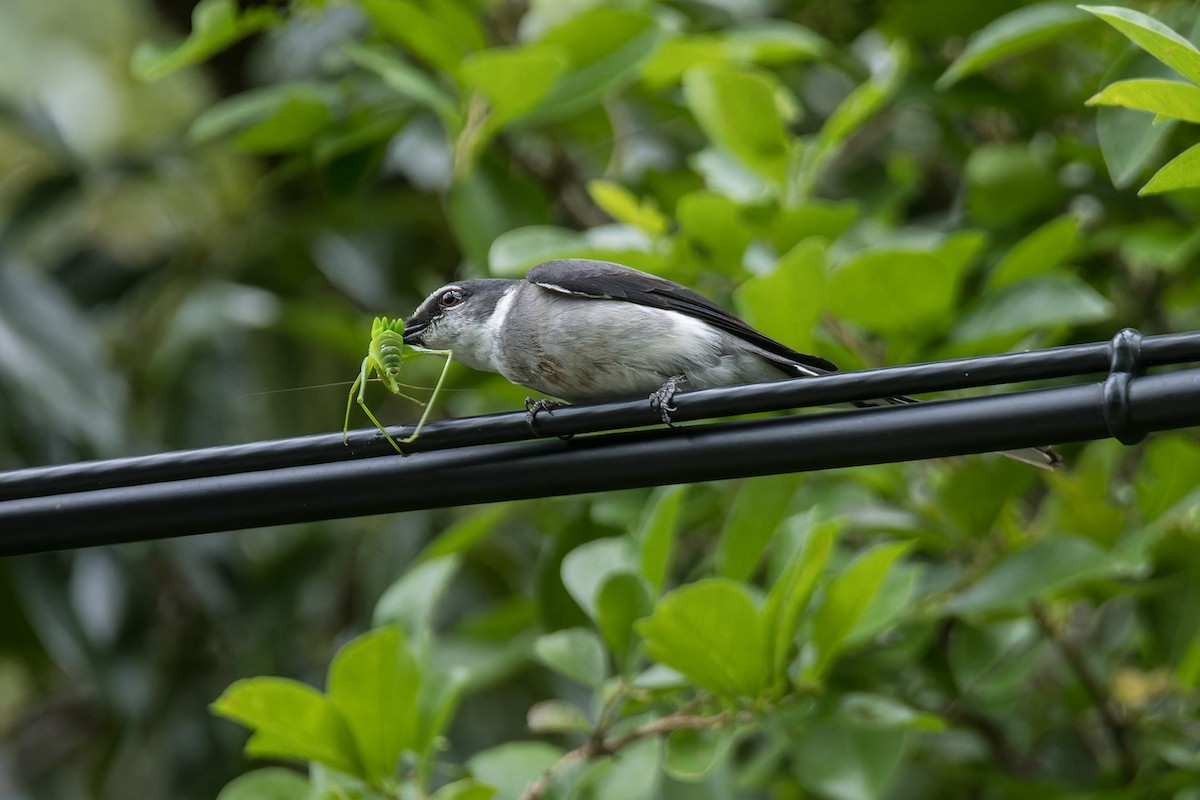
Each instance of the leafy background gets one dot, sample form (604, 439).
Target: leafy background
(188, 227)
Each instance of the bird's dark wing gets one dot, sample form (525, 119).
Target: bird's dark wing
(603, 280)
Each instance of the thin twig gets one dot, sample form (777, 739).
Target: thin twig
(1114, 723)
(613, 744)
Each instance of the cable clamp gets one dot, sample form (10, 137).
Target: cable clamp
(1124, 364)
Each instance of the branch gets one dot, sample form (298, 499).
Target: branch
(1114, 723)
(602, 746)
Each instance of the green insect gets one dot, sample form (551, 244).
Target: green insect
(385, 354)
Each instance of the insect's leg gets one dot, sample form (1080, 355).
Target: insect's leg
(361, 380)
(362, 402)
(449, 356)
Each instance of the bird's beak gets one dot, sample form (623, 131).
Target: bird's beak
(413, 331)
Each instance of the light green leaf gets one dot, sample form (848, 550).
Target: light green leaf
(290, 720)
(847, 599)
(679, 54)
(623, 206)
(691, 754)
(271, 783)
(512, 766)
(514, 252)
(373, 682)
(738, 112)
(1039, 252)
(877, 711)
(777, 41)
(576, 653)
(1173, 99)
(894, 290)
(711, 632)
(249, 108)
(787, 302)
(1032, 572)
(623, 599)
(757, 511)
(657, 531)
(993, 661)
(410, 600)
(557, 716)
(861, 104)
(1155, 38)
(792, 590)
(1048, 300)
(713, 221)
(1016, 32)
(586, 568)
(435, 41)
(466, 789)
(216, 24)
(1181, 172)
(845, 762)
(605, 46)
(514, 80)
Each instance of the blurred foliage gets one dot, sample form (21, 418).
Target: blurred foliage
(200, 208)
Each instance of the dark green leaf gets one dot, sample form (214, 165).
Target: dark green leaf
(409, 602)
(437, 41)
(657, 531)
(1057, 299)
(1041, 251)
(758, 510)
(894, 291)
(848, 763)
(691, 754)
(792, 590)
(787, 302)
(623, 599)
(1013, 33)
(216, 24)
(1031, 572)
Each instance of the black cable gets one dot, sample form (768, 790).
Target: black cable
(965, 373)
(482, 474)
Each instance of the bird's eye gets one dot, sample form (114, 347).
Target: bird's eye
(450, 298)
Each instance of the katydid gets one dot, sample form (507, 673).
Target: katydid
(385, 354)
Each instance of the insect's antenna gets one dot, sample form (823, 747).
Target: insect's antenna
(298, 388)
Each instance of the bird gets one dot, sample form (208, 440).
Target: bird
(585, 331)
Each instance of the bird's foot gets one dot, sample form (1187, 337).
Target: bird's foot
(660, 400)
(534, 407)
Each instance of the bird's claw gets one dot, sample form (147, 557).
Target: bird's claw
(660, 400)
(533, 408)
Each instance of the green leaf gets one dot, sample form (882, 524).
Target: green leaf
(737, 110)
(435, 41)
(216, 24)
(623, 206)
(557, 716)
(1048, 300)
(466, 789)
(847, 599)
(576, 653)
(679, 54)
(514, 80)
(407, 81)
(657, 531)
(292, 126)
(877, 711)
(587, 567)
(512, 766)
(992, 662)
(793, 589)
(605, 46)
(845, 762)
(787, 302)
(1169, 472)
(410, 600)
(894, 290)
(861, 104)
(290, 720)
(713, 221)
(691, 754)
(774, 41)
(1181, 172)
(493, 199)
(636, 775)
(272, 783)
(1039, 252)
(1016, 32)
(1167, 98)
(373, 682)
(1155, 38)
(758, 509)
(250, 108)
(623, 599)
(1032, 572)
(711, 632)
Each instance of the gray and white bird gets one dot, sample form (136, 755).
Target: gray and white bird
(589, 331)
